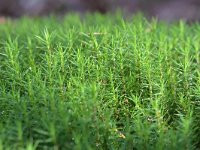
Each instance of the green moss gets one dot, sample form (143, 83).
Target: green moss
(99, 83)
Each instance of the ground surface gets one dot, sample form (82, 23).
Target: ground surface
(99, 83)
(170, 10)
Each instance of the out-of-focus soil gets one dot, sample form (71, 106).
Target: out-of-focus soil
(169, 10)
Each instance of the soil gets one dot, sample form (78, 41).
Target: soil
(169, 10)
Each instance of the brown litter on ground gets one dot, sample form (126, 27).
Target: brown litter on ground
(2, 20)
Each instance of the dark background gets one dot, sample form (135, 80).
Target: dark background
(168, 10)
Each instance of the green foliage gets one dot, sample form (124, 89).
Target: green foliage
(99, 83)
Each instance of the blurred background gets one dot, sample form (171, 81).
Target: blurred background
(169, 10)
